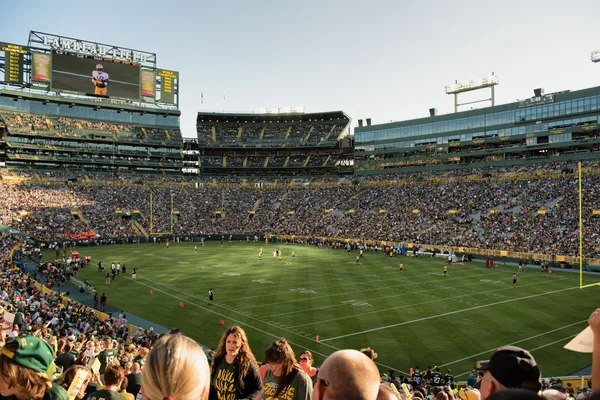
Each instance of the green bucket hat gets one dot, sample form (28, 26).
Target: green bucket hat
(32, 352)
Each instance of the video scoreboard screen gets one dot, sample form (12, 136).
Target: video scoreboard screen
(80, 67)
(13, 62)
(96, 76)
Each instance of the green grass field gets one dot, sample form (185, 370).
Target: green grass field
(418, 317)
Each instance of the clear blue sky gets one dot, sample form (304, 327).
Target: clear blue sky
(384, 59)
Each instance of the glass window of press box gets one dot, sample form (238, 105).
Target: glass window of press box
(522, 115)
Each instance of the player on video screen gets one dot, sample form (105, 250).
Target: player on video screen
(100, 80)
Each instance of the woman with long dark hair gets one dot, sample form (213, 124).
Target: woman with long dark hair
(234, 371)
(285, 379)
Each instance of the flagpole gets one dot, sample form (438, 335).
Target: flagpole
(224, 99)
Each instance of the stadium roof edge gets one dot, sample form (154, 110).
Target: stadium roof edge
(202, 115)
(563, 95)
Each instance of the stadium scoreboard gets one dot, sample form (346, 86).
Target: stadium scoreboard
(66, 65)
(168, 85)
(13, 61)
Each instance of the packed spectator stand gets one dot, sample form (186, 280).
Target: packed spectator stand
(53, 206)
(526, 210)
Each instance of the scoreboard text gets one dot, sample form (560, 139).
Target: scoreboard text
(13, 62)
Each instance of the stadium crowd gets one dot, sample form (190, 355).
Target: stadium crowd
(535, 214)
(55, 337)
(72, 127)
(271, 134)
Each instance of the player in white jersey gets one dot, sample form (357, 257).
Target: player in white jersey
(100, 80)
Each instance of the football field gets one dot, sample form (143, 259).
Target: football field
(417, 317)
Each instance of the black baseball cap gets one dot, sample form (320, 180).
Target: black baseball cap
(513, 367)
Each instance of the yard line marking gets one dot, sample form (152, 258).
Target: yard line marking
(445, 314)
(379, 298)
(511, 344)
(412, 305)
(308, 338)
(345, 293)
(532, 350)
(556, 341)
(221, 314)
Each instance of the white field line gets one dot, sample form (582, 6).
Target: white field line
(381, 298)
(445, 314)
(342, 294)
(221, 315)
(254, 318)
(532, 350)
(387, 279)
(416, 304)
(489, 351)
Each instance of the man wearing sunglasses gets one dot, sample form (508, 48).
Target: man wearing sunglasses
(348, 375)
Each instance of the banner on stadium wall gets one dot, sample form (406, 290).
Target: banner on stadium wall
(41, 66)
(148, 86)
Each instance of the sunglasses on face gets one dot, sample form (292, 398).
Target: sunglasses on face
(303, 359)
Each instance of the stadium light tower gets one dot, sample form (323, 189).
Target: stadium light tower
(595, 57)
(482, 83)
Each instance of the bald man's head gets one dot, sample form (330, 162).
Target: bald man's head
(135, 368)
(348, 375)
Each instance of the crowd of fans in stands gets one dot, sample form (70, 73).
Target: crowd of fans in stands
(535, 214)
(71, 127)
(75, 336)
(271, 134)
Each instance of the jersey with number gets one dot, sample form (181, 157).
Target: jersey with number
(106, 358)
(417, 377)
(448, 379)
(88, 358)
(436, 377)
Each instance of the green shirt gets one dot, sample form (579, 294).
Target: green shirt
(106, 395)
(106, 357)
(300, 388)
(223, 382)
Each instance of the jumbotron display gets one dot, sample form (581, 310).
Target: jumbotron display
(89, 68)
(95, 76)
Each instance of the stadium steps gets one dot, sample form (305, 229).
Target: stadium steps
(245, 162)
(214, 134)
(326, 160)
(224, 161)
(239, 134)
(139, 228)
(167, 134)
(287, 159)
(306, 161)
(308, 134)
(288, 132)
(266, 162)
(248, 220)
(329, 134)
(262, 133)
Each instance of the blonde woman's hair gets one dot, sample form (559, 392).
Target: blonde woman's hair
(176, 368)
